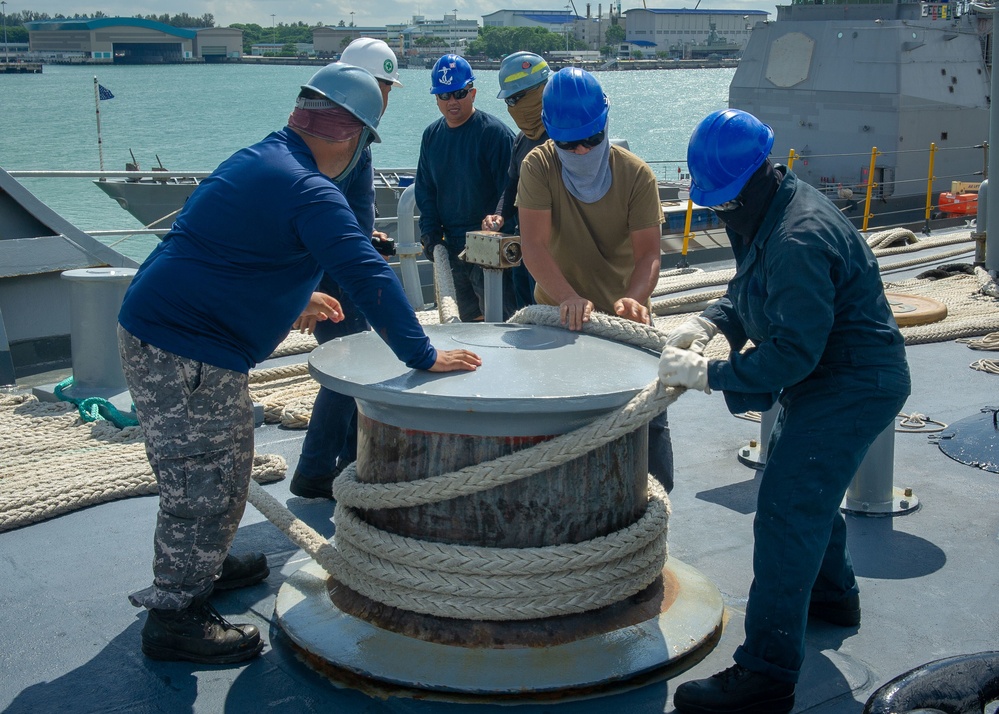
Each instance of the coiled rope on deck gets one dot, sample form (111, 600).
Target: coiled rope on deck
(466, 582)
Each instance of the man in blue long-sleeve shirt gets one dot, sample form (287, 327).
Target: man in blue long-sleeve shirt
(331, 440)
(214, 298)
(462, 172)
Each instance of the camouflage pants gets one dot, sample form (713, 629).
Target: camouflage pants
(198, 425)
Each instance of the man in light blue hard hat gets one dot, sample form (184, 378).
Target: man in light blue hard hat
(590, 222)
(461, 175)
(215, 297)
(522, 77)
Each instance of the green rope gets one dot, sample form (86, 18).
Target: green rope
(94, 408)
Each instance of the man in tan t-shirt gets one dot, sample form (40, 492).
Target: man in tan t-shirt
(589, 212)
(589, 223)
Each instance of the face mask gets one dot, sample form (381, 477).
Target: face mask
(755, 198)
(587, 176)
(527, 114)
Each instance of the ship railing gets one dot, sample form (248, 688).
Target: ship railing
(158, 174)
(875, 182)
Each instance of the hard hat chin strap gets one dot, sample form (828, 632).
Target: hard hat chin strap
(362, 143)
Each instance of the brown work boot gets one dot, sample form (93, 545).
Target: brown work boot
(198, 634)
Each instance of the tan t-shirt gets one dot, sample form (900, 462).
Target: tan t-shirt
(590, 241)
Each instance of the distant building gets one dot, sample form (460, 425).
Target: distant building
(330, 41)
(414, 38)
(131, 40)
(690, 34)
(262, 49)
(590, 30)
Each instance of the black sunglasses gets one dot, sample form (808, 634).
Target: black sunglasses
(460, 94)
(512, 100)
(733, 205)
(589, 142)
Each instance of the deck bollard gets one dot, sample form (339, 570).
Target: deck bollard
(96, 295)
(754, 454)
(416, 425)
(872, 491)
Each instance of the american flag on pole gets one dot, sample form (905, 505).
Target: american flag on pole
(104, 92)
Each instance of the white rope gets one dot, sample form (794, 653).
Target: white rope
(466, 582)
(52, 462)
(447, 304)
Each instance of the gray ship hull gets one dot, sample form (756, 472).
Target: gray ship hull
(835, 81)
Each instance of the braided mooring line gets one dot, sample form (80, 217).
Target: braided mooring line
(971, 311)
(447, 304)
(466, 582)
(51, 462)
(925, 259)
(702, 279)
(890, 237)
(295, 343)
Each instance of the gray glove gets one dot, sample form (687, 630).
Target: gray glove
(693, 335)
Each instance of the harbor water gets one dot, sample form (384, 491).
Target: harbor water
(194, 116)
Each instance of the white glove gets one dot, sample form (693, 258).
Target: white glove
(694, 334)
(683, 368)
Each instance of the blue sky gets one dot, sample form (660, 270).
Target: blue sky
(370, 12)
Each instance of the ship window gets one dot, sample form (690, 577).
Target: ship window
(951, 88)
(943, 72)
(943, 136)
(839, 35)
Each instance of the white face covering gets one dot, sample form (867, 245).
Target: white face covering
(587, 176)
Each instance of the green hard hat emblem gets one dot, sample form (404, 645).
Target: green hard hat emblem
(388, 66)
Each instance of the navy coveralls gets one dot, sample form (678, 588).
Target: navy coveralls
(808, 294)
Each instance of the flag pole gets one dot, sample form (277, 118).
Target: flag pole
(97, 107)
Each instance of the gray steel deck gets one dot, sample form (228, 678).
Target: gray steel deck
(928, 582)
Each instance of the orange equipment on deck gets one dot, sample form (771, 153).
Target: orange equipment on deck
(961, 200)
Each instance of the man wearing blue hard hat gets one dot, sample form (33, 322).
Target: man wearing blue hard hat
(808, 300)
(522, 78)
(460, 176)
(590, 222)
(215, 297)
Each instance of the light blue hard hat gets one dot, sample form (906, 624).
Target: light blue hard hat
(724, 151)
(520, 71)
(573, 105)
(353, 88)
(451, 73)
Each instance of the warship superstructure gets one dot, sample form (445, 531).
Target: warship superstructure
(837, 80)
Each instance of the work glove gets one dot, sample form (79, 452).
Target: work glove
(683, 368)
(693, 335)
(429, 242)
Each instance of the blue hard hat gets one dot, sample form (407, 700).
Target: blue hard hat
(724, 151)
(520, 71)
(451, 73)
(573, 105)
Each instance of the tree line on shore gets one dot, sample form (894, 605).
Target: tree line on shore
(492, 42)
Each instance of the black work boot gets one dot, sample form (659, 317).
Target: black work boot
(845, 612)
(240, 571)
(198, 634)
(314, 486)
(735, 690)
